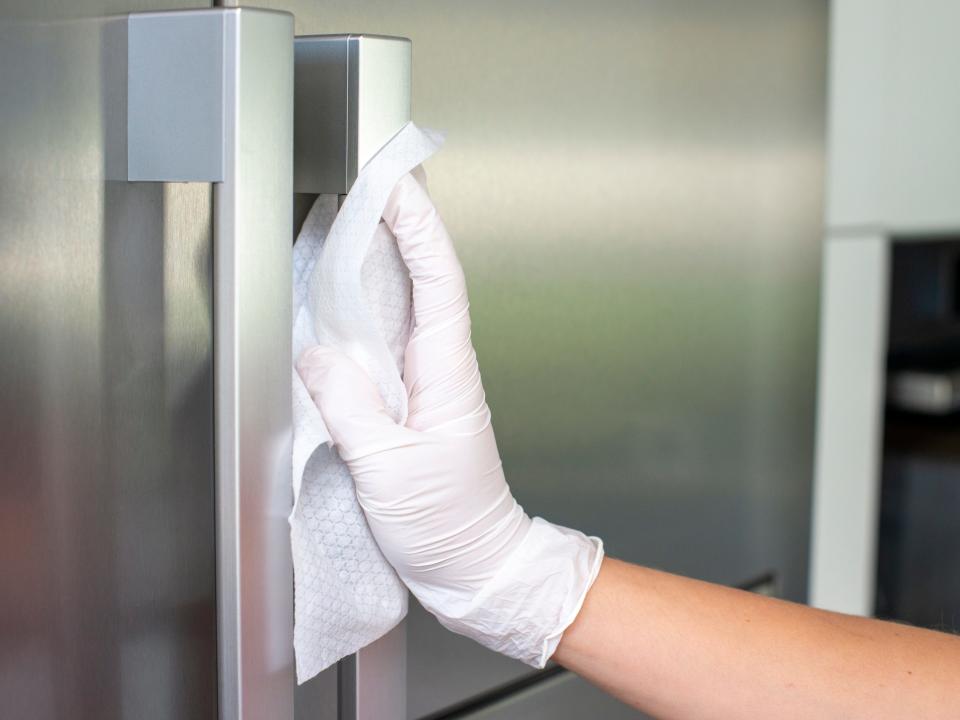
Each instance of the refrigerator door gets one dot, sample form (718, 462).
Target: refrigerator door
(635, 191)
(147, 394)
(108, 604)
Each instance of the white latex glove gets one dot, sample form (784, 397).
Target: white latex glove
(433, 490)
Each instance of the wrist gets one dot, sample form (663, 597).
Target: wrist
(524, 609)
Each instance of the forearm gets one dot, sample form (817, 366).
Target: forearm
(680, 648)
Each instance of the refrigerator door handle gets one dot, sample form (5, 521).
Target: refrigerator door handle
(209, 98)
(351, 96)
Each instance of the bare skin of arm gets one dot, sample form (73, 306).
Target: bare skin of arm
(680, 648)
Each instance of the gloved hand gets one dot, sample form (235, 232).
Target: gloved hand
(433, 490)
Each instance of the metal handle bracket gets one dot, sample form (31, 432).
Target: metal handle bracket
(351, 95)
(175, 89)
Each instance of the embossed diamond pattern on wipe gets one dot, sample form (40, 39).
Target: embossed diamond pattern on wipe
(351, 291)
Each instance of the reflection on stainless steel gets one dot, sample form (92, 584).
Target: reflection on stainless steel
(253, 214)
(108, 605)
(635, 192)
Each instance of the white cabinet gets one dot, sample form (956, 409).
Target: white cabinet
(894, 119)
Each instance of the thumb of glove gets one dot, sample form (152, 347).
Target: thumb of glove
(349, 402)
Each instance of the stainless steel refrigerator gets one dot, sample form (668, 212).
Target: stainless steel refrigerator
(635, 190)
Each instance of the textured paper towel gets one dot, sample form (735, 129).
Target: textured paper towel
(351, 290)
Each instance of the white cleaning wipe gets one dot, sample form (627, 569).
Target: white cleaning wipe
(351, 291)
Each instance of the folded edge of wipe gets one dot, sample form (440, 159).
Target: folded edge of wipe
(351, 291)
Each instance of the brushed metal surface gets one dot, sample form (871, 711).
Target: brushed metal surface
(317, 699)
(108, 598)
(321, 115)
(559, 698)
(253, 216)
(383, 70)
(351, 95)
(175, 113)
(635, 190)
(372, 683)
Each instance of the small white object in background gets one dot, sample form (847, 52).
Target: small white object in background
(924, 391)
(351, 291)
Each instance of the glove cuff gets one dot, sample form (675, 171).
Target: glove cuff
(525, 608)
